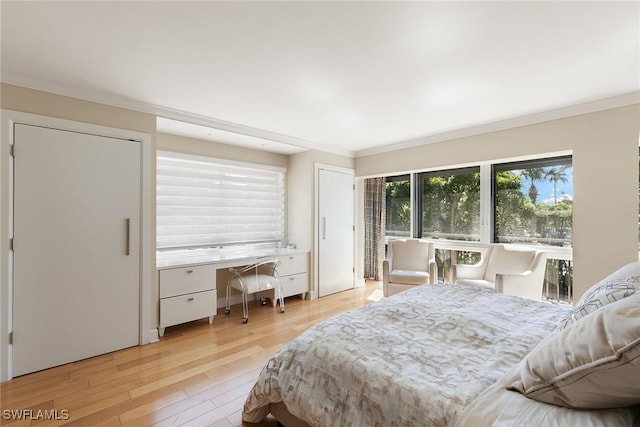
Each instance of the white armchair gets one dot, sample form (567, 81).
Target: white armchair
(409, 263)
(512, 271)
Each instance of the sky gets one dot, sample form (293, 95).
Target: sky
(545, 189)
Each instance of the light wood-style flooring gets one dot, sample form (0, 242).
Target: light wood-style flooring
(197, 375)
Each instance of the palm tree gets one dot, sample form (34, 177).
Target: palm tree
(533, 175)
(556, 175)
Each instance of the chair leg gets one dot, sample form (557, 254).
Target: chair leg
(245, 308)
(227, 308)
(281, 298)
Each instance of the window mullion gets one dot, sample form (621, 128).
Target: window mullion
(486, 203)
(416, 205)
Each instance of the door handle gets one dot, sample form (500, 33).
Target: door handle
(324, 228)
(127, 249)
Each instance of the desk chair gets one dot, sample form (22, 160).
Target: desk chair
(255, 278)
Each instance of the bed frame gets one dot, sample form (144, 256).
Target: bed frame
(284, 417)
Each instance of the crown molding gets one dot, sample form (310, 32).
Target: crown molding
(196, 119)
(545, 116)
(170, 113)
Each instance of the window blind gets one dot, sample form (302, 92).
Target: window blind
(203, 201)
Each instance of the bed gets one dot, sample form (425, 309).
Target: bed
(440, 355)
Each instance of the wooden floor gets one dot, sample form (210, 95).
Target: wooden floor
(197, 375)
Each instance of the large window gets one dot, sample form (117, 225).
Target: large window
(526, 202)
(205, 202)
(398, 206)
(534, 202)
(450, 204)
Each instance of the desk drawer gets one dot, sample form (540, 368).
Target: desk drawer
(293, 264)
(295, 284)
(185, 308)
(185, 280)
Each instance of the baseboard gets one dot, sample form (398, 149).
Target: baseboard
(152, 336)
(360, 283)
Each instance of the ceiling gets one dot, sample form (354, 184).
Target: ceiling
(353, 78)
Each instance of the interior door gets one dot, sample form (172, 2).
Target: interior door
(76, 246)
(336, 231)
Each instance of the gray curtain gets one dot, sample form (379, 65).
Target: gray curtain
(374, 226)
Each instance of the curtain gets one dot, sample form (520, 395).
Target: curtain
(374, 226)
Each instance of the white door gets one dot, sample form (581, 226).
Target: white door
(336, 231)
(76, 246)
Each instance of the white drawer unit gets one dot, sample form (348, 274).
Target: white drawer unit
(293, 271)
(186, 294)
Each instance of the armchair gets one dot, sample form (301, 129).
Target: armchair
(409, 263)
(512, 271)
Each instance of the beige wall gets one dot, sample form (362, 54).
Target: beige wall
(300, 167)
(605, 182)
(605, 160)
(63, 107)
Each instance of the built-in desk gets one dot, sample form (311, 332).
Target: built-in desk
(187, 279)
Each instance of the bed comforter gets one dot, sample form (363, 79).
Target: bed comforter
(417, 358)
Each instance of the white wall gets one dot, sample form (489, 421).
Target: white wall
(605, 181)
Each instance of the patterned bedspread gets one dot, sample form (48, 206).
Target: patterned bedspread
(417, 358)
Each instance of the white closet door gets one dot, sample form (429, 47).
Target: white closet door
(76, 277)
(336, 234)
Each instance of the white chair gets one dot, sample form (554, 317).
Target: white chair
(409, 263)
(258, 277)
(509, 270)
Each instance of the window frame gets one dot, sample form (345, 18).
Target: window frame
(515, 165)
(402, 177)
(418, 194)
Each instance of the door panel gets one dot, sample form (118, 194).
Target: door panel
(336, 234)
(76, 290)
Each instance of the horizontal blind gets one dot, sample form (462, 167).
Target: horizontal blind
(203, 201)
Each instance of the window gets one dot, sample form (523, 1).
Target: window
(528, 202)
(534, 202)
(450, 204)
(534, 205)
(398, 206)
(206, 202)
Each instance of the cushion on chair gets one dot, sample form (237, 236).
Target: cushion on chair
(410, 255)
(255, 282)
(508, 261)
(409, 277)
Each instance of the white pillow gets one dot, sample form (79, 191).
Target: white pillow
(593, 363)
(622, 283)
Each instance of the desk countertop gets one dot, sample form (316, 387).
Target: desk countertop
(221, 257)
